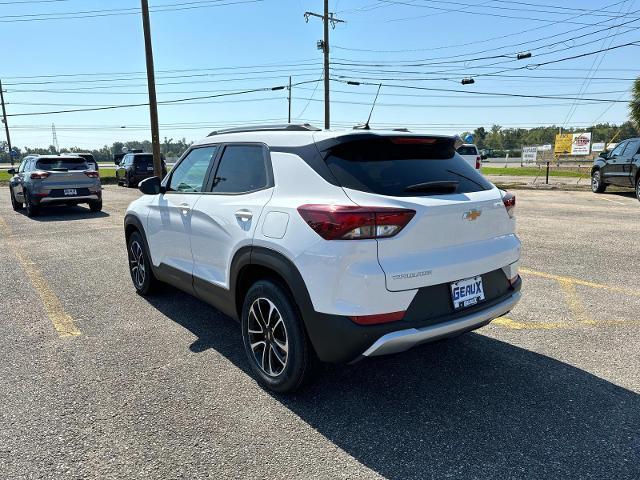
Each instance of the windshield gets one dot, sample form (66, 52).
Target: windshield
(395, 169)
(62, 164)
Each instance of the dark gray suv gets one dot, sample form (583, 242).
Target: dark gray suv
(53, 180)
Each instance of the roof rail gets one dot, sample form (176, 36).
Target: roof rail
(287, 127)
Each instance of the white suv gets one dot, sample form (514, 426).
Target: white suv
(326, 245)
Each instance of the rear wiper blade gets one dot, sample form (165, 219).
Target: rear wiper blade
(442, 186)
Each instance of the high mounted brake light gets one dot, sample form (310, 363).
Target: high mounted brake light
(413, 140)
(343, 222)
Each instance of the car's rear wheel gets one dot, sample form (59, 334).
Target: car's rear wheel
(129, 182)
(274, 338)
(14, 203)
(140, 265)
(31, 209)
(95, 206)
(597, 185)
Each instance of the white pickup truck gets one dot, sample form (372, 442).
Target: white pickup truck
(470, 153)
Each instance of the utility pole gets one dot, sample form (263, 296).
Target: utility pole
(327, 18)
(289, 98)
(151, 80)
(54, 138)
(6, 124)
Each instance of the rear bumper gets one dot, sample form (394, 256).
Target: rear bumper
(58, 200)
(402, 340)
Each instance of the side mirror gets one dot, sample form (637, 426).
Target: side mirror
(604, 155)
(483, 157)
(11, 171)
(116, 161)
(151, 186)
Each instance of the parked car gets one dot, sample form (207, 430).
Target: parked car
(620, 167)
(53, 180)
(135, 167)
(325, 245)
(469, 152)
(91, 161)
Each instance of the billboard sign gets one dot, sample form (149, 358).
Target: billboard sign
(581, 144)
(563, 143)
(529, 154)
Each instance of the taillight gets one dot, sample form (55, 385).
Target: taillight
(478, 164)
(39, 175)
(378, 318)
(92, 174)
(342, 222)
(509, 200)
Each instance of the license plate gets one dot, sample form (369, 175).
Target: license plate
(70, 191)
(467, 292)
(149, 169)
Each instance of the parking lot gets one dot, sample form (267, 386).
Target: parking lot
(98, 382)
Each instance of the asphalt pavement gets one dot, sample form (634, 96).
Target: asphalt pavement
(97, 382)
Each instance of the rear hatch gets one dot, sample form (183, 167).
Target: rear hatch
(65, 173)
(143, 164)
(461, 228)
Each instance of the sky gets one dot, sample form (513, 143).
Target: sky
(86, 54)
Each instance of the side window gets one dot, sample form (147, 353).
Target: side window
(618, 150)
(632, 148)
(21, 167)
(190, 175)
(242, 169)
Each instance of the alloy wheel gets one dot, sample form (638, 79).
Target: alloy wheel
(136, 263)
(268, 337)
(595, 181)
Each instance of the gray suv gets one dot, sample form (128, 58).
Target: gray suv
(53, 180)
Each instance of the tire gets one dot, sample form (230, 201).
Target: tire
(638, 187)
(95, 206)
(597, 185)
(129, 184)
(140, 269)
(281, 356)
(31, 209)
(14, 203)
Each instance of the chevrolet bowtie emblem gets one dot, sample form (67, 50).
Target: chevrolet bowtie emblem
(471, 215)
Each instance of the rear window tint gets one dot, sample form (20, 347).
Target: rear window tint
(386, 168)
(62, 164)
(467, 150)
(143, 161)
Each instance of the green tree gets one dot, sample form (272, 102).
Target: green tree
(634, 105)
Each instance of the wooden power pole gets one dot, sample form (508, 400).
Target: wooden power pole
(6, 124)
(327, 18)
(151, 80)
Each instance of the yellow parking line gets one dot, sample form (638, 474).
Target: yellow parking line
(573, 300)
(577, 281)
(508, 323)
(62, 321)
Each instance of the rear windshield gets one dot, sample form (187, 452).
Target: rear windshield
(386, 168)
(143, 161)
(62, 164)
(467, 150)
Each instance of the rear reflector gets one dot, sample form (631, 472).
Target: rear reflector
(92, 174)
(509, 200)
(379, 318)
(38, 175)
(342, 222)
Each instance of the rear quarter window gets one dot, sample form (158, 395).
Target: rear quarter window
(383, 167)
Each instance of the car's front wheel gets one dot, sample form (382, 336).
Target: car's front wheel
(274, 337)
(638, 187)
(140, 265)
(597, 185)
(14, 203)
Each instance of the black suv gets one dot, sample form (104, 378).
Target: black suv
(620, 167)
(135, 167)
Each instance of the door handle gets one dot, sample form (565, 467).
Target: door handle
(185, 207)
(244, 215)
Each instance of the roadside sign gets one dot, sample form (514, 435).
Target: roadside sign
(14, 153)
(581, 144)
(597, 147)
(529, 154)
(563, 143)
(545, 148)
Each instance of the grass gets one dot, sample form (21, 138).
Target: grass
(534, 171)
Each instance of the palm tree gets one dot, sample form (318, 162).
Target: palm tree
(634, 104)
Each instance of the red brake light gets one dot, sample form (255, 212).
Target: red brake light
(413, 140)
(341, 222)
(478, 163)
(38, 175)
(509, 200)
(379, 318)
(92, 174)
